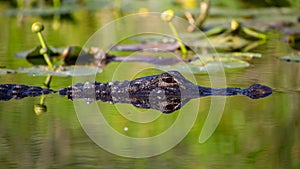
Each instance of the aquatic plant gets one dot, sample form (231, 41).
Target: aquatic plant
(168, 16)
(235, 26)
(41, 107)
(37, 28)
(291, 58)
(204, 9)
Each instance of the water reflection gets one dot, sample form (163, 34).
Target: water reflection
(166, 92)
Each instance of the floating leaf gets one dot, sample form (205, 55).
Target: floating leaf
(34, 56)
(227, 43)
(237, 37)
(60, 56)
(215, 31)
(147, 46)
(225, 61)
(153, 38)
(62, 71)
(6, 71)
(207, 64)
(239, 55)
(192, 36)
(147, 59)
(295, 58)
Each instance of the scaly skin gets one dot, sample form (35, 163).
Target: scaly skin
(166, 92)
(17, 91)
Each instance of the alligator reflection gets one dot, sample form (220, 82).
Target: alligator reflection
(166, 92)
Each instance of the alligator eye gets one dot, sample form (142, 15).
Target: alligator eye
(169, 108)
(168, 80)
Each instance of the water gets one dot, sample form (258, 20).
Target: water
(260, 133)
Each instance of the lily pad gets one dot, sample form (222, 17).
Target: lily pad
(236, 37)
(34, 56)
(65, 71)
(239, 55)
(6, 71)
(225, 61)
(152, 38)
(207, 64)
(151, 59)
(60, 56)
(227, 43)
(295, 58)
(147, 46)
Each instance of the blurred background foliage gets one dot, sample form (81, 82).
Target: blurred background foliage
(184, 3)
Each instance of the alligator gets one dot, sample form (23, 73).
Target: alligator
(166, 92)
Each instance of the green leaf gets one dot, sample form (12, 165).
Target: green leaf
(221, 42)
(207, 64)
(295, 58)
(147, 46)
(34, 56)
(254, 34)
(65, 71)
(59, 56)
(6, 71)
(226, 62)
(239, 55)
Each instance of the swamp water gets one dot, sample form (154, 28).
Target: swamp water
(262, 133)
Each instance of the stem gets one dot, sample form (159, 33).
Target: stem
(204, 7)
(48, 81)
(42, 40)
(56, 5)
(44, 45)
(254, 33)
(117, 8)
(20, 4)
(253, 45)
(42, 100)
(48, 61)
(182, 47)
(204, 10)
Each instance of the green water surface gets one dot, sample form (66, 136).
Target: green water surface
(262, 133)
